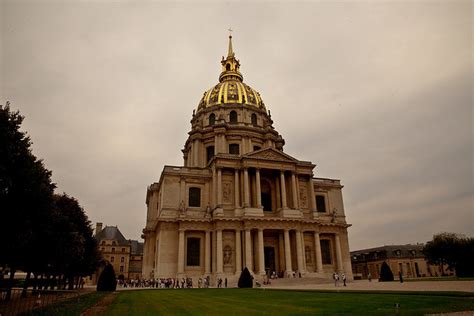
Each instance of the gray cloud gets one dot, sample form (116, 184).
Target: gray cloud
(376, 94)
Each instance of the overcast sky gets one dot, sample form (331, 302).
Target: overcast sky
(377, 94)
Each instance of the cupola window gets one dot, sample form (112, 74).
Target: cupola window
(212, 119)
(227, 67)
(234, 149)
(254, 119)
(233, 117)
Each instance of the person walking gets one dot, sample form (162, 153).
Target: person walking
(336, 278)
(344, 279)
(369, 276)
(400, 276)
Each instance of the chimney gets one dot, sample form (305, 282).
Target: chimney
(98, 228)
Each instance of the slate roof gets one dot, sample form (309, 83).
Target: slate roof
(112, 233)
(387, 252)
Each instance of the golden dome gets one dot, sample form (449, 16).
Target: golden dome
(231, 90)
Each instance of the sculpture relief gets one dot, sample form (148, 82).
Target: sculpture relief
(303, 197)
(227, 192)
(308, 256)
(227, 255)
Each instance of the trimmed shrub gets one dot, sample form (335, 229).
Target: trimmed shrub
(385, 273)
(246, 279)
(107, 281)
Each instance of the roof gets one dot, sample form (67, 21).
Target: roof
(112, 233)
(391, 251)
(136, 247)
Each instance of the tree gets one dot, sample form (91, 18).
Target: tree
(385, 272)
(245, 279)
(107, 281)
(454, 250)
(26, 194)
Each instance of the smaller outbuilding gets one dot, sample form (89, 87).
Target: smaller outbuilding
(407, 259)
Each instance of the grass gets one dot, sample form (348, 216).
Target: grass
(444, 278)
(73, 306)
(281, 302)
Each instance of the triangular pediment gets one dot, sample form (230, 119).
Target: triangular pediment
(270, 154)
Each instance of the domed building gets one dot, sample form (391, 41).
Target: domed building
(240, 200)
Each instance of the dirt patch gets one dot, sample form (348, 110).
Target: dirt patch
(101, 306)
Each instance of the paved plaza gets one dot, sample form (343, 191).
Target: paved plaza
(364, 285)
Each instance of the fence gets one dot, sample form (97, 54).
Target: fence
(21, 301)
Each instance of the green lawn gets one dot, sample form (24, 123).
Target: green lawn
(278, 302)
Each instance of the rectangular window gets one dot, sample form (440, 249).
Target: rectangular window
(112, 259)
(326, 251)
(209, 153)
(193, 252)
(113, 249)
(320, 203)
(123, 249)
(121, 268)
(234, 149)
(194, 197)
(122, 259)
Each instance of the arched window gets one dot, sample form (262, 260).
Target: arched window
(227, 67)
(254, 119)
(233, 117)
(212, 119)
(194, 197)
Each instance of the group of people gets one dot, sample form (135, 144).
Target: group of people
(171, 283)
(336, 278)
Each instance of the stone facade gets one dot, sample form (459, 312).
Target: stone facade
(239, 200)
(407, 259)
(126, 256)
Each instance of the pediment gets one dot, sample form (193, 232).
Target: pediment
(270, 154)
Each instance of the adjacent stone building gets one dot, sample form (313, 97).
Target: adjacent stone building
(407, 259)
(126, 256)
(240, 200)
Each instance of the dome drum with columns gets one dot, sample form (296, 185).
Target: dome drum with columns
(239, 200)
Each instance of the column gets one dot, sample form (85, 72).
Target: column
(311, 197)
(338, 252)
(181, 251)
(287, 251)
(219, 187)
(283, 190)
(219, 251)
(236, 188)
(281, 253)
(238, 252)
(261, 257)
(248, 250)
(259, 193)
(246, 188)
(317, 250)
(196, 152)
(299, 252)
(293, 191)
(214, 187)
(207, 253)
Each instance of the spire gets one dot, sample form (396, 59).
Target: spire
(230, 65)
(230, 52)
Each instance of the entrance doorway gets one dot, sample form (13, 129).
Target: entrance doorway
(269, 259)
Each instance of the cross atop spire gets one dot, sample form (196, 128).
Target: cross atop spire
(230, 52)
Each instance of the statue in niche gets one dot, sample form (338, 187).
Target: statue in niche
(333, 215)
(307, 253)
(182, 209)
(208, 211)
(227, 255)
